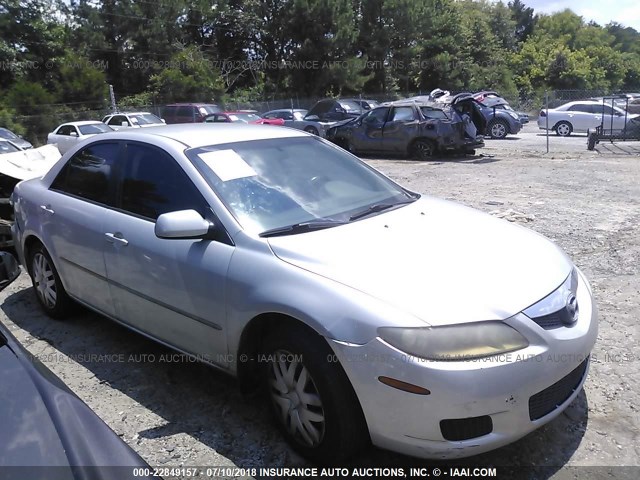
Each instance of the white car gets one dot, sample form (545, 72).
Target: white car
(583, 116)
(359, 308)
(132, 120)
(68, 135)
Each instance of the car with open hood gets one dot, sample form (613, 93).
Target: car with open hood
(362, 311)
(326, 113)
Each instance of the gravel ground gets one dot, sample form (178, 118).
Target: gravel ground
(187, 414)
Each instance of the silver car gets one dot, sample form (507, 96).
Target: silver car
(359, 308)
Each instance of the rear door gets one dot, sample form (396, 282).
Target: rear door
(172, 289)
(584, 116)
(73, 213)
(397, 131)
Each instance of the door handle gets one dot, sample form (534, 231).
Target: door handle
(47, 208)
(114, 238)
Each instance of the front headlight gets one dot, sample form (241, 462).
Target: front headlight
(455, 342)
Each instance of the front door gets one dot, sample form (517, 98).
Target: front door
(397, 133)
(368, 135)
(172, 289)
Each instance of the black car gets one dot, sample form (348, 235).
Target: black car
(46, 431)
(419, 129)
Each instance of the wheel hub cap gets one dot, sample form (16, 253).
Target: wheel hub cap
(44, 280)
(296, 399)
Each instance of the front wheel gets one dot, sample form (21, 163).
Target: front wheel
(312, 400)
(423, 150)
(498, 129)
(49, 290)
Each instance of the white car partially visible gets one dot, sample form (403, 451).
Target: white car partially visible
(583, 116)
(68, 135)
(132, 120)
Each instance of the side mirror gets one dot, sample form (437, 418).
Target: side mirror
(74, 134)
(9, 269)
(125, 124)
(163, 120)
(182, 224)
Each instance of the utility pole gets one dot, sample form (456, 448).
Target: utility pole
(114, 107)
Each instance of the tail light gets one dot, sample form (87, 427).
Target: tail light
(543, 113)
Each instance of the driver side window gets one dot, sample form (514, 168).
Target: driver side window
(153, 183)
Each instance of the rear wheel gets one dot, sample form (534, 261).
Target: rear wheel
(49, 290)
(563, 129)
(311, 397)
(423, 150)
(310, 129)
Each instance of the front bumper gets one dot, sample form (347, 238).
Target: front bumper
(498, 387)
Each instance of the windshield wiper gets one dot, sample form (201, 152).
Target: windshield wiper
(301, 227)
(378, 207)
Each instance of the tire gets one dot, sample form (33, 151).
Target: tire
(423, 150)
(299, 362)
(47, 285)
(498, 129)
(563, 129)
(310, 129)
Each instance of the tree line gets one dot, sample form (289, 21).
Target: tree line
(57, 55)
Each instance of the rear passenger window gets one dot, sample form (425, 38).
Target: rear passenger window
(88, 173)
(153, 183)
(402, 114)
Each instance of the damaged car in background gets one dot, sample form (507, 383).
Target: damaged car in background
(419, 129)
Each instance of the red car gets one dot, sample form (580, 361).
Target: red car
(246, 117)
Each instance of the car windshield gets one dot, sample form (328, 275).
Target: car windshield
(209, 109)
(6, 147)
(94, 128)
(350, 106)
(244, 117)
(145, 119)
(274, 183)
(8, 134)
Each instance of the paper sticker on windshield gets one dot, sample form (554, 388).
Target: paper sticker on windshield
(227, 165)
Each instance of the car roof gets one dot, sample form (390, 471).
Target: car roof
(80, 123)
(201, 134)
(288, 110)
(130, 113)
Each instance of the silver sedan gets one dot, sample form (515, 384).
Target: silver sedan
(363, 311)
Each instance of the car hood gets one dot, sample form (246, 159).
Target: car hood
(45, 425)
(440, 261)
(22, 143)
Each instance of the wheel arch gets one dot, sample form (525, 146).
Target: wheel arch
(251, 340)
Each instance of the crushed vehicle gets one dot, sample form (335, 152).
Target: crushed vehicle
(500, 121)
(325, 114)
(420, 129)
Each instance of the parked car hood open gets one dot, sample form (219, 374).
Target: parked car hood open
(398, 257)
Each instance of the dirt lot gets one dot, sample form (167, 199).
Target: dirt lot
(188, 414)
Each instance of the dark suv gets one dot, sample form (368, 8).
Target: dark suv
(188, 112)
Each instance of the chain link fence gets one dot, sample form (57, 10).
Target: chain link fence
(544, 132)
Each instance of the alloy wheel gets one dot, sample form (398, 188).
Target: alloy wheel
(44, 280)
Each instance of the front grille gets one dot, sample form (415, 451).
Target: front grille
(551, 321)
(466, 428)
(546, 401)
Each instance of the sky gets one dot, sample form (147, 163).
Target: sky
(626, 12)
